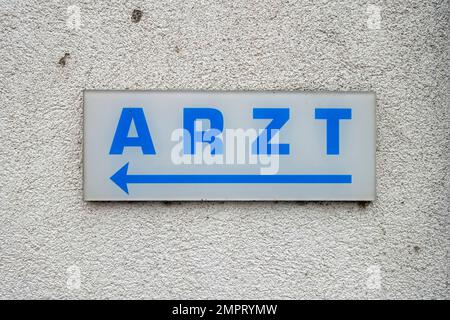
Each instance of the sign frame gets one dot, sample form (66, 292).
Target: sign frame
(127, 170)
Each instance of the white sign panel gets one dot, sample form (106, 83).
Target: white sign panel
(167, 145)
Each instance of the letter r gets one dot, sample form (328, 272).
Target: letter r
(215, 117)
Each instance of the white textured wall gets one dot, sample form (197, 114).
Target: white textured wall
(217, 249)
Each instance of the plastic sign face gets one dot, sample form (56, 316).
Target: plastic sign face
(167, 145)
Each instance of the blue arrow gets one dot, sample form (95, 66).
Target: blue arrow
(121, 178)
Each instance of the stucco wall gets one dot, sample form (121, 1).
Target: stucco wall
(55, 245)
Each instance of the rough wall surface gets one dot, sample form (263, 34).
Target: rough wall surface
(55, 245)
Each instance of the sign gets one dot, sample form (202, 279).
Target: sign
(189, 145)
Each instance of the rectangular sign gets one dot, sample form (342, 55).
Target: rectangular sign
(192, 145)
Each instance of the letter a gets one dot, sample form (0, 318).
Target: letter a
(121, 138)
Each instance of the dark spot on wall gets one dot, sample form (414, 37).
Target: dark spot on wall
(136, 16)
(63, 60)
(171, 203)
(305, 203)
(416, 249)
(363, 204)
(177, 49)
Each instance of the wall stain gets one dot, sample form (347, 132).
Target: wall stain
(63, 60)
(363, 204)
(136, 16)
